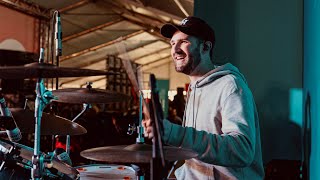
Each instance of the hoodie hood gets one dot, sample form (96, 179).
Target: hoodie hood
(218, 72)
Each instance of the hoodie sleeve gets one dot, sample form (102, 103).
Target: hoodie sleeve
(234, 147)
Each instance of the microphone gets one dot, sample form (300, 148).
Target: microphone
(10, 125)
(58, 34)
(41, 57)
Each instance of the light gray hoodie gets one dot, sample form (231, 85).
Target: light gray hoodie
(222, 126)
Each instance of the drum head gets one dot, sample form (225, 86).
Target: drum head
(105, 171)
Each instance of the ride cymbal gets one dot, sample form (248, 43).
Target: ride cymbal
(50, 124)
(88, 95)
(135, 153)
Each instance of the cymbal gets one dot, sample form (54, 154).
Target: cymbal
(135, 153)
(50, 124)
(88, 95)
(17, 57)
(26, 153)
(44, 70)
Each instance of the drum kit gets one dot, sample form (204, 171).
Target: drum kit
(41, 123)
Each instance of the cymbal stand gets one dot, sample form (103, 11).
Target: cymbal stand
(139, 128)
(140, 138)
(68, 139)
(43, 98)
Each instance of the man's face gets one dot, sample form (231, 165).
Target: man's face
(185, 51)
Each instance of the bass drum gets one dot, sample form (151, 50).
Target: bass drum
(106, 171)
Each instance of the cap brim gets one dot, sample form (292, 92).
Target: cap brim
(168, 30)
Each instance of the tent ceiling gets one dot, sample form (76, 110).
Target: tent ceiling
(91, 29)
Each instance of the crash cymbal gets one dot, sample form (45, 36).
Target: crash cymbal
(135, 153)
(50, 124)
(88, 95)
(44, 70)
(16, 58)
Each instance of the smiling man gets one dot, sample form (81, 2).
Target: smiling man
(221, 122)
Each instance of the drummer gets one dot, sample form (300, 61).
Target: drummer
(221, 121)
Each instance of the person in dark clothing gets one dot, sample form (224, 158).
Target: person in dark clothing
(179, 102)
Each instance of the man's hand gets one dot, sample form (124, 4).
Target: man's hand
(147, 123)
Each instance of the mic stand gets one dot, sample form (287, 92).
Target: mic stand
(58, 43)
(68, 139)
(140, 138)
(43, 98)
(58, 51)
(85, 107)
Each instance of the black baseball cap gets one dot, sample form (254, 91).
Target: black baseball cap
(191, 25)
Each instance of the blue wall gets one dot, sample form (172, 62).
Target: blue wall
(264, 39)
(312, 85)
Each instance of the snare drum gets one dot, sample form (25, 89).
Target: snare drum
(106, 171)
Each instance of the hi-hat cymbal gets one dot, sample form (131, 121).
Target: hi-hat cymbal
(135, 153)
(26, 153)
(50, 124)
(88, 95)
(44, 70)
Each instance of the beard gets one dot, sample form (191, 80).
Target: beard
(192, 61)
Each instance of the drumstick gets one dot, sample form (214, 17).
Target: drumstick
(128, 67)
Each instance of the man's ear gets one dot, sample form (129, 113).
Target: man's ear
(207, 46)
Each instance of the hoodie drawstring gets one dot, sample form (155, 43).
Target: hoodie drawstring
(185, 107)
